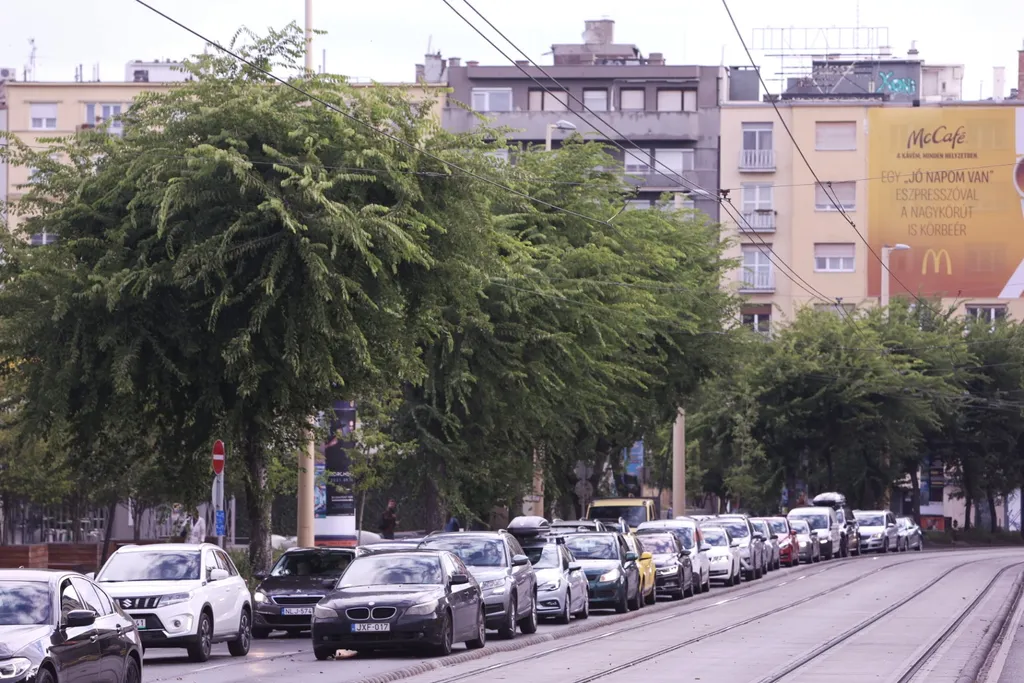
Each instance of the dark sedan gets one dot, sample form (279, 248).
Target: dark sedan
(57, 627)
(401, 600)
(611, 569)
(673, 567)
(300, 579)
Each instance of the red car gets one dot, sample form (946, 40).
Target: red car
(789, 550)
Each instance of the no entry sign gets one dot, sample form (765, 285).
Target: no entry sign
(218, 457)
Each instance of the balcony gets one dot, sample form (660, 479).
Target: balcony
(661, 179)
(760, 280)
(757, 160)
(648, 126)
(761, 220)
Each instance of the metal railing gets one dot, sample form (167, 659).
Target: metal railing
(759, 280)
(758, 221)
(757, 160)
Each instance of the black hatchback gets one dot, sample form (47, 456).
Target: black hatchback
(60, 627)
(301, 577)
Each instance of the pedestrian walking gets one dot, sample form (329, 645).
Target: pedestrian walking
(389, 520)
(452, 525)
(197, 534)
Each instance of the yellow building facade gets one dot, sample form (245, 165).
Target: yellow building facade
(942, 183)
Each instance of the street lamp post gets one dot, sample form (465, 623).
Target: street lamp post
(886, 253)
(552, 127)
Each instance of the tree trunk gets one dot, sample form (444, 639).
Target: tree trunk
(915, 493)
(432, 502)
(107, 533)
(362, 516)
(994, 523)
(967, 512)
(258, 502)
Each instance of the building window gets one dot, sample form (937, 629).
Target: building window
(632, 99)
(670, 100)
(492, 99)
(757, 272)
(835, 136)
(556, 100)
(838, 310)
(596, 100)
(43, 115)
(685, 202)
(987, 312)
(834, 258)
(632, 204)
(638, 161)
(536, 100)
(97, 113)
(757, 137)
(844, 194)
(42, 238)
(678, 160)
(757, 197)
(758, 318)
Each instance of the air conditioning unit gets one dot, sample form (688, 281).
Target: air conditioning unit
(8, 74)
(140, 76)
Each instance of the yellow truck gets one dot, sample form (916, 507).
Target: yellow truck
(635, 511)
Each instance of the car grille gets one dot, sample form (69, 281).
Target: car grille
(383, 612)
(297, 599)
(357, 613)
(138, 603)
(592, 575)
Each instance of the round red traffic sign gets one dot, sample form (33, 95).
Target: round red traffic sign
(218, 457)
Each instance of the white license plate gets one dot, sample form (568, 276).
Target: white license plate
(371, 628)
(296, 611)
(140, 623)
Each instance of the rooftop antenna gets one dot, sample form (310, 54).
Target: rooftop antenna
(430, 43)
(30, 70)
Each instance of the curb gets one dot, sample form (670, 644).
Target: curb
(996, 628)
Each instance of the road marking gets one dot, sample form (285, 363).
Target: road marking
(782, 584)
(995, 671)
(800, 578)
(722, 602)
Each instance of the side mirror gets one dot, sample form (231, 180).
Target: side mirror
(458, 580)
(259, 576)
(91, 576)
(734, 544)
(645, 556)
(705, 547)
(329, 584)
(218, 574)
(631, 556)
(520, 560)
(684, 552)
(574, 566)
(77, 618)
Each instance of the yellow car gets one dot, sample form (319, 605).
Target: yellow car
(646, 566)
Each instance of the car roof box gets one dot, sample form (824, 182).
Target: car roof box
(830, 499)
(529, 526)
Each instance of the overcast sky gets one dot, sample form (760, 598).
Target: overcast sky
(383, 39)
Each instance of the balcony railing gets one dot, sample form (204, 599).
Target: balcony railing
(762, 220)
(757, 280)
(757, 160)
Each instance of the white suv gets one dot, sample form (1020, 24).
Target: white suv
(188, 596)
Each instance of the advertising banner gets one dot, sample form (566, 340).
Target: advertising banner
(335, 509)
(948, 182)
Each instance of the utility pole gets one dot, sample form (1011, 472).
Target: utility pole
(307, 460)
(679, 464)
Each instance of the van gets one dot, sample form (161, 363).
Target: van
(849, 528)
(635, 511)
(824, 524)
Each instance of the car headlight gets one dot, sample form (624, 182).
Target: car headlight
(259, 596)
(493, 586)
(609, 575)
(422, 609)
(668, 569)
(875, 537)
(804, 544)
(551, 585)
(174, 599)
(14, 668)
(322, 612)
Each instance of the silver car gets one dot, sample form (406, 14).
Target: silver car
(562, 587)
(724, 555)
(911, 536)
(807, 543)
(878, 531)
(687, 531)
(771, 543)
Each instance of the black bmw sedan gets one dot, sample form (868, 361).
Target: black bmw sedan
(60, 627)
(401, 600)
(301, 578)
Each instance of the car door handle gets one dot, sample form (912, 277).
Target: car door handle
(93, 638)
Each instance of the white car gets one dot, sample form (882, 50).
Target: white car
(687, 530)
(187, 596)
(723, 555)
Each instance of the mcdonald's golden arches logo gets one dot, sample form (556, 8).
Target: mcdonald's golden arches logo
(937, 257)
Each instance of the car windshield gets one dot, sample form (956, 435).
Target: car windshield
(24, 603)
(658, 545)
(904, 523)
(312, 563)
(778, 526)
(152, 565)
(543, 556)
(736, 528)
(815, 521)
(871, 520)
(763, 528)
(716, 537)
(391, 569)
(474, 552)
(593, 547)
(635, 515)
(800, 526)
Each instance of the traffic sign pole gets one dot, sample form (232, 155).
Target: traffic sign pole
(218, 461)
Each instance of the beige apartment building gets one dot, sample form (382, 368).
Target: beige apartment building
(939, 182)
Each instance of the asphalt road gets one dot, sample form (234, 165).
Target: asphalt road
(853, 620)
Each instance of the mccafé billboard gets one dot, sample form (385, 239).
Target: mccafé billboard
(949, 182)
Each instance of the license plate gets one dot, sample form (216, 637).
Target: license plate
(296, 611)
(140, 623)
(371, 628)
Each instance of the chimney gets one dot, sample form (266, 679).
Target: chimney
(454, 62)
(913, 52)
(434, 69)
(998, 82)
(656, 59)
(599, 32)
(421, 73)
(1020, 75)
(472, 63)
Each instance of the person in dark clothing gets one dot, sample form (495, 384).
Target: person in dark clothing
(389, 520)
(452, 525)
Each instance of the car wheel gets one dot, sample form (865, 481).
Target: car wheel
(323, 653)
(240, 646)
(528, 624)
(817, 557)
(707, 583)
(200, 650)
(585, 610)
(652, 597)
(261, 633)
(638, 599)
(132, 673)
(446, 631)
(698, 587)
(508, 629)
(920, 545)
(481, 632)
(44, 676)
(566, 616)
(622, 604)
